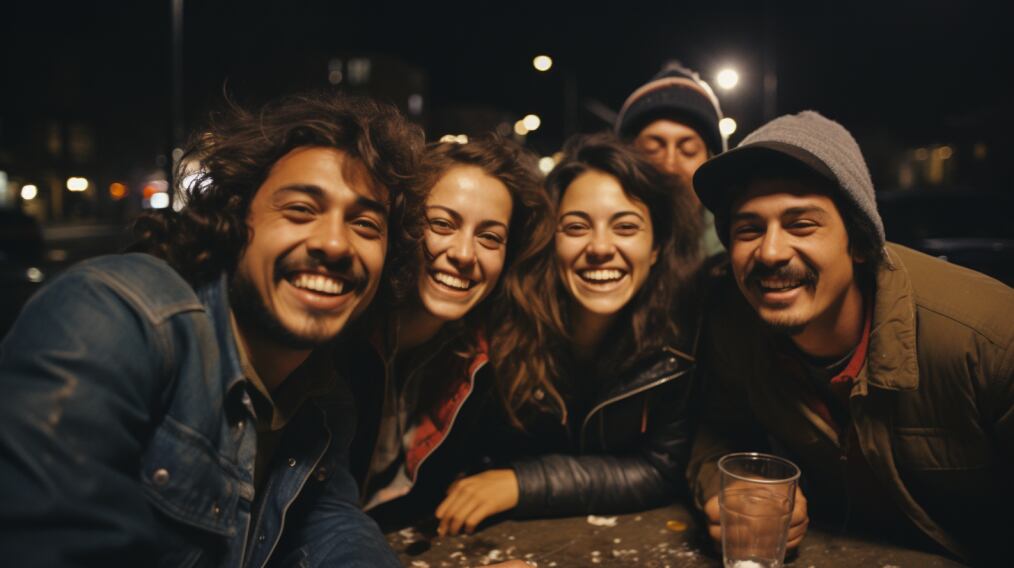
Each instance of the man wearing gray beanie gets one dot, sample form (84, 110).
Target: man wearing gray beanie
(885, 374)
(673, 121)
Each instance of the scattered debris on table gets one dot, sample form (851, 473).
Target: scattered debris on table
(676, 526)
(601, 521)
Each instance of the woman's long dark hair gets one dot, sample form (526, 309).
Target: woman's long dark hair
(237, 151)
(530, 344)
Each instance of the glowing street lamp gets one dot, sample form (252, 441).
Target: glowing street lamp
(29, 192)
(727, 78)
(542, 63)
(727, 126)
(77, 183)
(532, 122)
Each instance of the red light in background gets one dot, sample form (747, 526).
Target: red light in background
(117, 190)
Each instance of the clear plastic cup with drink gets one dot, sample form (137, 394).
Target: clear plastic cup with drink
(756, 501)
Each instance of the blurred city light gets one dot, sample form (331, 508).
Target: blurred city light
(727, 78)
(334, 71)
(117, 190)
(945, 152)
(542, 63)
(34, 274)
(154, 187)
(415, 104)
(546, 164)
(520, 129)
(28, 192)
(160, 200)
(77, 184)
(454, 138)
(921, 154)
(532, 122)
(727, 126)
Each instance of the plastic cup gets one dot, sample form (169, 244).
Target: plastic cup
(758, 493)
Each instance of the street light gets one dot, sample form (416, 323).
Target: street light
(727, 78)
(727, 126)
(28, 192)
(77, 183)
(531, 122)
(542, 63)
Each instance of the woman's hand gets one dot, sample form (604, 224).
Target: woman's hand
(470, 500)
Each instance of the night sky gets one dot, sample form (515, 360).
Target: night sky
(911, 73)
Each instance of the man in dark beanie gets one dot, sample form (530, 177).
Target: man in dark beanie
(673, 120)
(885, 374)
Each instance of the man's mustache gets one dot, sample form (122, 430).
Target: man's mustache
(802, 274)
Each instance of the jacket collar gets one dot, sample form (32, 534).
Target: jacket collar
(666, 362)
(215, 296)
(892, 361)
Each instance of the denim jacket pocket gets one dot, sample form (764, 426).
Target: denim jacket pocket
(187, 479)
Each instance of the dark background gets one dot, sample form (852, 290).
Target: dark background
(88, 89)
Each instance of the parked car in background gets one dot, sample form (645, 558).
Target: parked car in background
(969, 228)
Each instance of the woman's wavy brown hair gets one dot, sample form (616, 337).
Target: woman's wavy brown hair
(534, 340)
(237, 151)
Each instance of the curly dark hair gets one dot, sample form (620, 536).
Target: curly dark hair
(237, 151)
(538, 334)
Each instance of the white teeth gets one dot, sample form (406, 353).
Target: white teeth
(601, 275)
(452, 281)
(319, 283)
(775, 283)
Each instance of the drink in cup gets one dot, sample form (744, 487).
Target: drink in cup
(756, 500)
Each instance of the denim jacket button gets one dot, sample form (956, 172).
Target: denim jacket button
(260, 539)
(215, 510)
(292, 462)
(160, 477)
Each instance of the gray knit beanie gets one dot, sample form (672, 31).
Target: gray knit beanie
(822, 145)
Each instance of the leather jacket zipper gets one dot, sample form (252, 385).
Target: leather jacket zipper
(628, 394)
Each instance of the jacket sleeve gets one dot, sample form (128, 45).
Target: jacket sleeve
(78, 372)
(1001, 398)
(641, 478)
(331, 530)
(727, 423)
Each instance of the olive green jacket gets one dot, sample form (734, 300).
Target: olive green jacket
(933, 407)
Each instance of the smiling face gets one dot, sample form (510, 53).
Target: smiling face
(318, 235)
(790, 254)
(603, 243)
(468, 216)
(674, 148)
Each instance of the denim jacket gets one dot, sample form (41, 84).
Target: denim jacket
(127, 436)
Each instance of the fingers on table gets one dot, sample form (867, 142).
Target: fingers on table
(463, 508)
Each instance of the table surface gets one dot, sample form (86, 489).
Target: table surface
(639, 539)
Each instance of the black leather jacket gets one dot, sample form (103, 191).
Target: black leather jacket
(630, 451)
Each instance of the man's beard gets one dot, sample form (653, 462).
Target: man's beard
(806, 276)
(252, 314)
